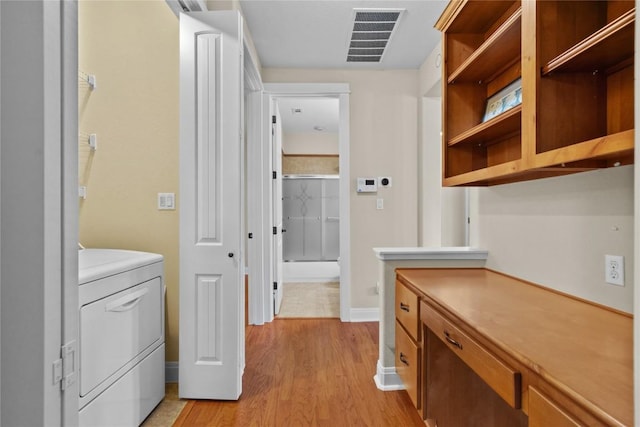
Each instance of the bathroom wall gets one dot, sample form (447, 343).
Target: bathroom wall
(317, 164)
(311, 153)
(554, 232)
(310, 143)
(383, 135)
(132, 48)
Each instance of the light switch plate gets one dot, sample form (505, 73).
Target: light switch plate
(166, 201)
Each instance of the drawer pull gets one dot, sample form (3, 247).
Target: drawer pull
(127, 302)
(403, 359)
(451, 340)
(404, 307)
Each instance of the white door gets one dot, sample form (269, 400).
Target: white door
(276, 133)
(211, 217)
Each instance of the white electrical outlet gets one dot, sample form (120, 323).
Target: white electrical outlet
(614, 269)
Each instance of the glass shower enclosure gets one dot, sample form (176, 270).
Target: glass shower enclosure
(310, 217)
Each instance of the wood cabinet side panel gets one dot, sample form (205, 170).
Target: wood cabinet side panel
(620, 101)
(544, 413)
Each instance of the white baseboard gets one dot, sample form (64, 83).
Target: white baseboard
(365, 314)
(171, 372)
(387, 379)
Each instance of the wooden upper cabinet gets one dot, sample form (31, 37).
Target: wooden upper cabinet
(574, 63)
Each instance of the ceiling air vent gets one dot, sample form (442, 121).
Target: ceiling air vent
(372, 30)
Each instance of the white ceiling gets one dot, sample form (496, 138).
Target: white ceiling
(316, 33)
(315, 112)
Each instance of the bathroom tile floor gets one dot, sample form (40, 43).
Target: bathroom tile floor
(318, 300)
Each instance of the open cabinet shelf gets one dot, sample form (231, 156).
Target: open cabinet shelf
(574, 63)
(496, 53)
(609, 46)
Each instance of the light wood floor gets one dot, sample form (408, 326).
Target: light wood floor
(308, 372)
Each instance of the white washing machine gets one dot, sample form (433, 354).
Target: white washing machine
(121, 339)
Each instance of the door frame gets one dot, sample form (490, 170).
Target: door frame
(256, 203)
(39, 210)
(260, 294)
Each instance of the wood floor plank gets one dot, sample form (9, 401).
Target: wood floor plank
(308, 372)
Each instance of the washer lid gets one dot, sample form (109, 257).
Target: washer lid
(94, 264)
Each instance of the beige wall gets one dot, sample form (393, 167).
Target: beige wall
(556, 231)
(441, 210)
(132, 48)
(310, 143)
(383, 141)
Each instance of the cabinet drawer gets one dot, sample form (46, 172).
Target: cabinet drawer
(407, 305)
(115, 329)
(407, 364)
(500, 377)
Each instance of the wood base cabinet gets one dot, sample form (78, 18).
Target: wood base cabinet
(499, 351)
(536, 88)
(409, 342)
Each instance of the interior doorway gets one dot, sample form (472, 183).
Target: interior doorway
(281, 96)
(307, 203)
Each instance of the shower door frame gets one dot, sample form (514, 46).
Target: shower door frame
(323, 217)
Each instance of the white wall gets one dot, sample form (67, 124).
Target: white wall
(383, 123)
(441, 210)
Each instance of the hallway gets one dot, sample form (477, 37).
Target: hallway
(315, 372)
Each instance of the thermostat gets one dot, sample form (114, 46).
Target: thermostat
(367, 185)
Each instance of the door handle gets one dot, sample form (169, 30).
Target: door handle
(127, 302)
(451, 340)
(230, 254)
(403, 359)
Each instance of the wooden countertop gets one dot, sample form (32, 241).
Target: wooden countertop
(585, 350)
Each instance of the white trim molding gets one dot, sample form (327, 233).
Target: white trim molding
(171, 372)
(365, 314)
(387, 379)
(443, 253)
(340, 91)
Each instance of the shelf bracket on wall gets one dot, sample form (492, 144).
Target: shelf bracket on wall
(88, 79)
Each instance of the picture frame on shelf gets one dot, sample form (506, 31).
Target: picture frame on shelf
(505, 99)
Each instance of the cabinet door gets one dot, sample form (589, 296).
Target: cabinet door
(543, 412)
